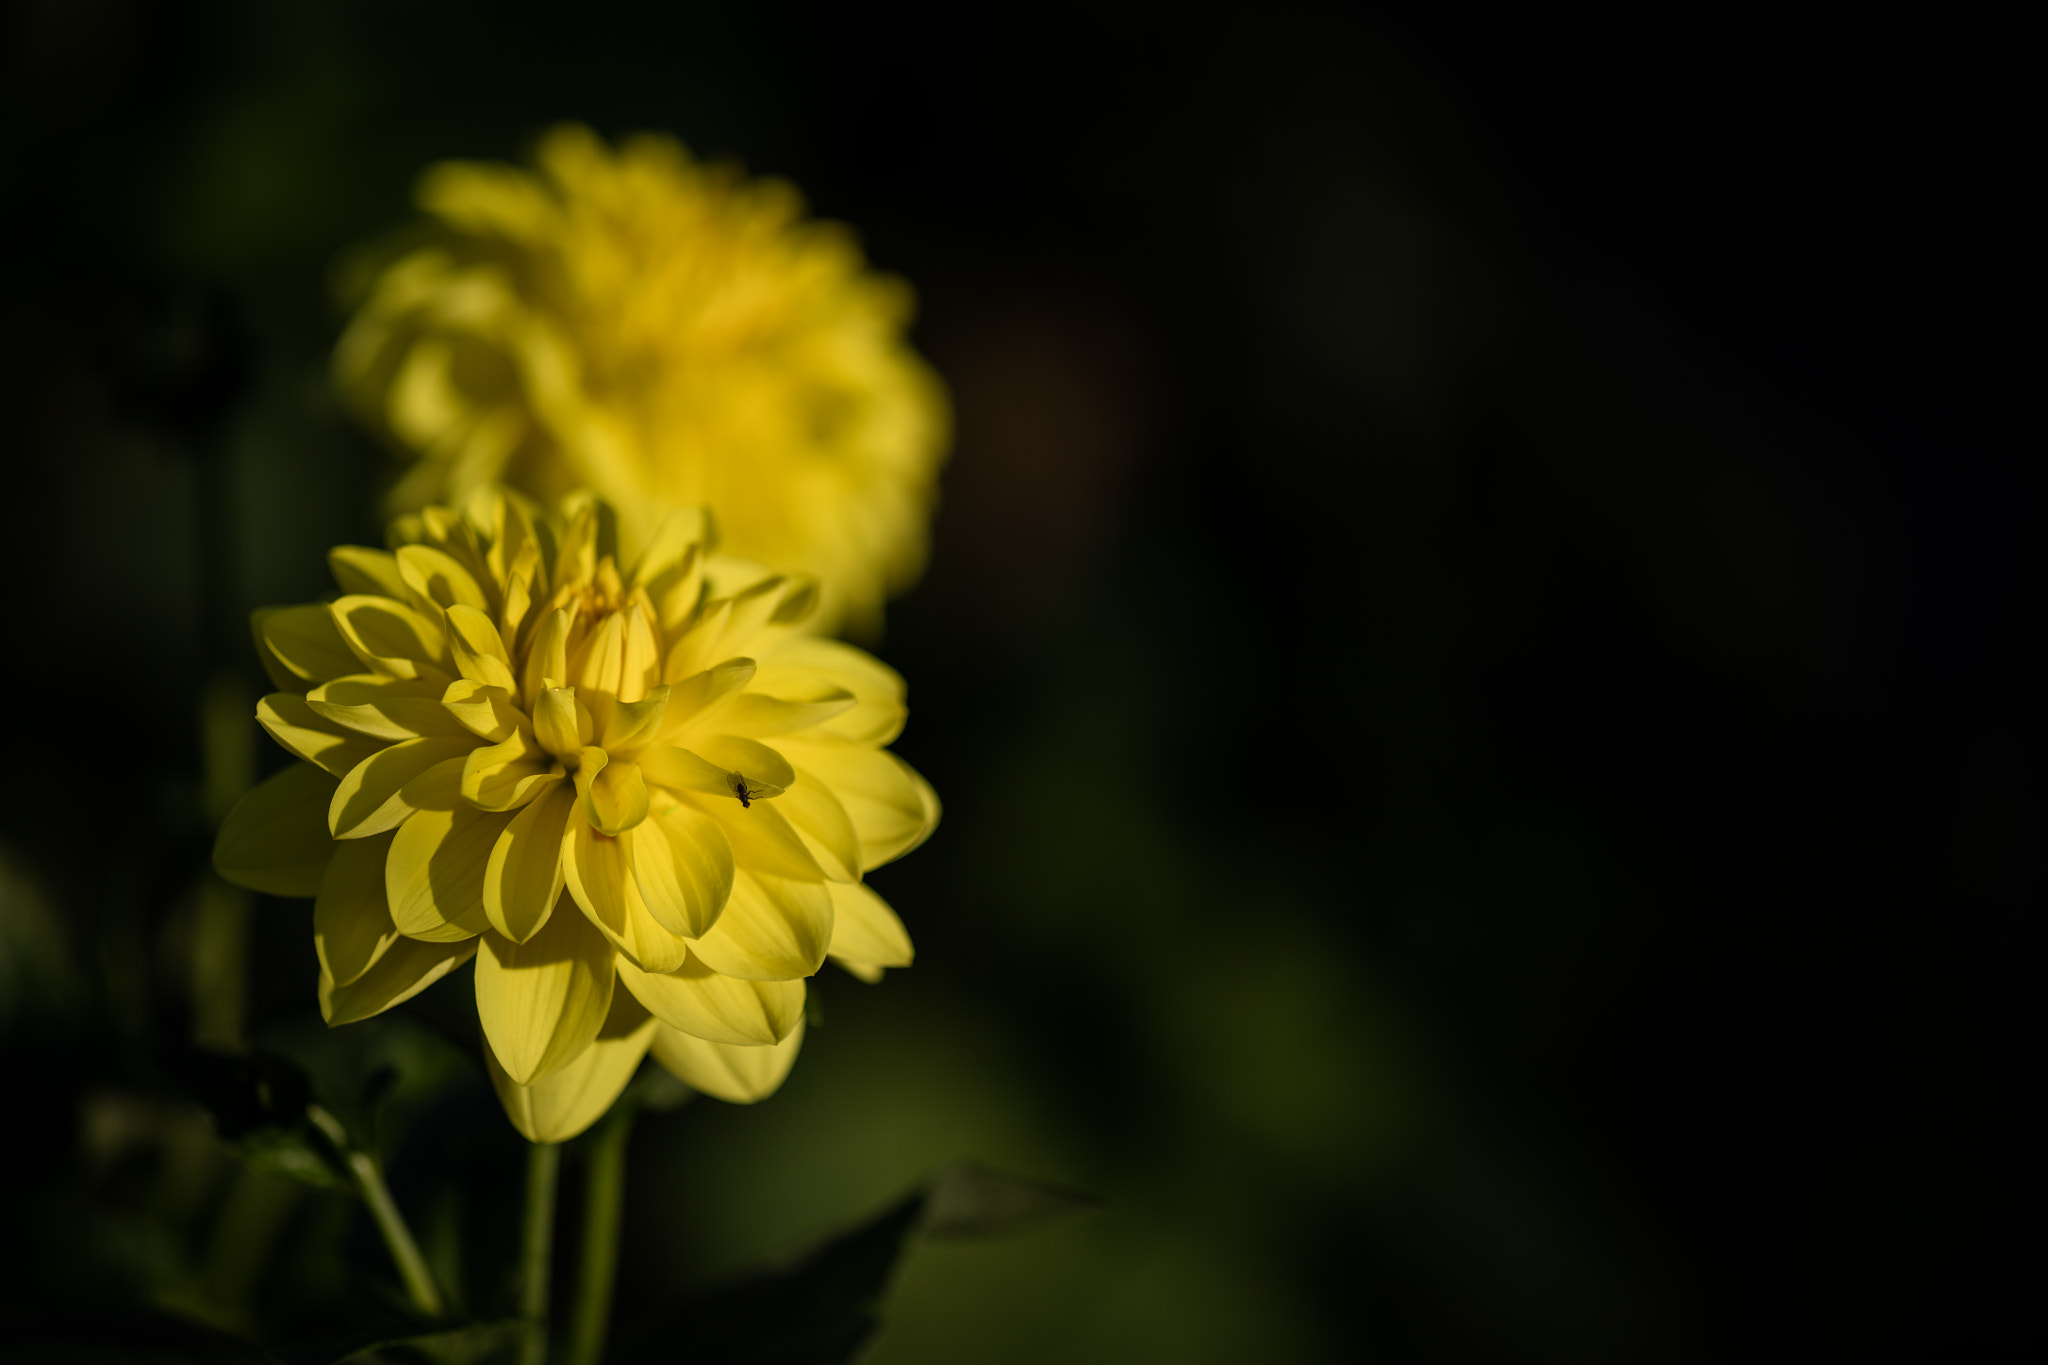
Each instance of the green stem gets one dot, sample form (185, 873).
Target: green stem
(369, 1182)
(603, 1200)
(543, 1163)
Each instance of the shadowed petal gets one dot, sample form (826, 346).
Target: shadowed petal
(434, 877)
(407, 967)
(352, 927)
(601, 883)
(275, 839)
(563, 1103)
(737, 1075)
(291, 720)
(371, 797)
(524, 876)
(773, 929)
(543, 1001)
(720, 1009)
(866, 934)
(683, 865)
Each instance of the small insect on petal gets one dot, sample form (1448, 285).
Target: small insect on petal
(748, 790)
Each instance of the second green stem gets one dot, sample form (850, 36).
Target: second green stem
(603, 1202)
(543, 1165)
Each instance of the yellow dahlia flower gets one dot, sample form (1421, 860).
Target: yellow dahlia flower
(669, 335)
(641, 800)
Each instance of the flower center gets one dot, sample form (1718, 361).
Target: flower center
(602, 594)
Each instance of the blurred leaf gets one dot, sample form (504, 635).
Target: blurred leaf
(259, 1105)
(459, 1346)
(822, 1312)
(377, 1091)
(967, 1201)
(302, 1155)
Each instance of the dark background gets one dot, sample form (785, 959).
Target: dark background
(1476, 656)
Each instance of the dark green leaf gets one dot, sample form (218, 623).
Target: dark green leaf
(822, 1312)
(299, 1154)
(259, 1105)
(967, 1202)
(470, 1345)
(819, 1313)
(389, 1339)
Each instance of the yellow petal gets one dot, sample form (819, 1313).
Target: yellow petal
(282, 678)
(439, 578)
(892, 808)
(508, 774)
(632, 725)
(677, 595)
(773, 929)
(489, 713)
(711, 767)
(383, 708)
(391, 638)
(696, 648)
(737, 1075)
(640, 656)
(672, 548)
(577, 549)
(752, 759)
(682, 863)
(926, 797)
(524, 875)
(543, 1001)
(665, 765)
(275, 839)
(478, 648)
(561, 1105)
(600, 880)
(307, 734)
(305, 642)
(865, 931)
(352, 927)
(800, 596)
(562, 724)
(761, 836)
(519, 591)
(614, 794)
(371, 796)
(595, 663)
(752, 609)
(696, 699)
(827, 832)
(434, 877)
(757, 715)
(547, 657)
(800, 665)
(717, 1008)
(407, 967)
(360, 569)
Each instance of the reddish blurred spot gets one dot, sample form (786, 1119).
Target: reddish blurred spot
(1056, 399)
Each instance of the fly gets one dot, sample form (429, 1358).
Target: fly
(741, 790)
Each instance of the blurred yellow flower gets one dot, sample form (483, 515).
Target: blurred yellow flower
(584, 778)
(669, 335)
